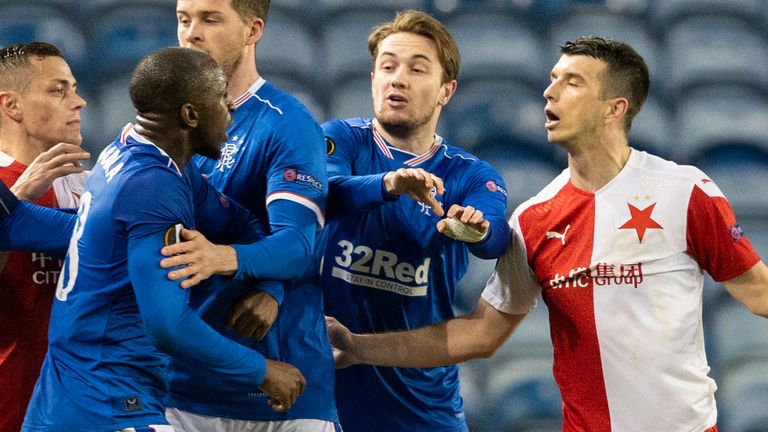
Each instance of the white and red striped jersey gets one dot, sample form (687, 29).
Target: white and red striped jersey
(621, 271)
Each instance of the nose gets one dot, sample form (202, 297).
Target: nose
(399, 78)
(79, 101)
(193, 34)
(550, 91)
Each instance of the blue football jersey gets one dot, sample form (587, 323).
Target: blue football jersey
(386, 267)
(274, 159)
(116, 313)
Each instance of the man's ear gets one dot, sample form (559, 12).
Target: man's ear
(447, 90)
(189, 116)
(255, 31)
(9, 105)
(616, 110)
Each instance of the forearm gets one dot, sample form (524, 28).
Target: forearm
(495, 243)
(356, 193)
(34, 228)
(476, 335)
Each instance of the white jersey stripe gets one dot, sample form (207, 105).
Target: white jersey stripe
(299, 199)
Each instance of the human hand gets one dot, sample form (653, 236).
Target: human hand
(283, 383)
(474, 227)
(253, 314)
(342, 344)
(58, 161)
(417, 184)
(199, 258)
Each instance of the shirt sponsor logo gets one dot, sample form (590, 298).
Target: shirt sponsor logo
(555, 234)
(50, 269)
(380, 269)
(603, 274)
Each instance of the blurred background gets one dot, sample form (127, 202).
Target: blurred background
(708, 106)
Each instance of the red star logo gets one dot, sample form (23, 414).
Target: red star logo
(641, 220)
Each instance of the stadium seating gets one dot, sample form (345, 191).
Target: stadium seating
(115, 108)
(289, 48)
(740, 171)
(122, 35)
(743, 396)
(495, 45)
(487, 109)
(714, 50)
(651, 128)
(22, 23)
(351, 98)
(300, 90)
(666, 13)
(715, 115)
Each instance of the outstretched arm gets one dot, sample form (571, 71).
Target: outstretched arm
(478, 334)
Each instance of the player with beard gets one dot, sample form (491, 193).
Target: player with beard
(273, 164)
(623, 277)
(392, 262)
(116, 316)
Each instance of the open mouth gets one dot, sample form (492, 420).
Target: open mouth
(396, 98)
(552, 118)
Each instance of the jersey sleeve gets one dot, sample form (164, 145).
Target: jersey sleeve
(347, 192)
(488, 193)
(297, 170)
(170, 323)
(714, 238)
(8, 201)
(40, 229)
(512, 287)
(173, 326)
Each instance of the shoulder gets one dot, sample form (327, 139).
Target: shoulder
(546, 194)
(279, 106)
(658, 172)
(347, 132)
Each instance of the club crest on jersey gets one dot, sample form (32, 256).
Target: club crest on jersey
(228, 151)
(641, 220)
(294, 176)
(330, 146)
(736, 232)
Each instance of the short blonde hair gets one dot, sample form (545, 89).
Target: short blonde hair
(422, 24)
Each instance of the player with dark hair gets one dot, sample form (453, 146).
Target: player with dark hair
(40, 158)
(274, 164)
(616, 245)
(392, 262)
(117, 317)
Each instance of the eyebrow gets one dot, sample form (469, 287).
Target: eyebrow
(203, 13)
(413, 57)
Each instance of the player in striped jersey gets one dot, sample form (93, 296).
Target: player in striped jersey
(616, 246)
(117, 316)
(388, 264)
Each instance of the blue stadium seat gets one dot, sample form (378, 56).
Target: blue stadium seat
(521, 393)
(288, 47)
(740, 172)
(743, 397)
(482, 110)
(22, 23)
(666, 13)
(472, 283)
(345, 44)
(737, 334)
(714, 115)
(704, 50)
(651, 128)
(524, 169)
(350, 98)
(115, 108)
(124, 34)
(495, 45)
(599, 21)
(390, 6)
(473, 382)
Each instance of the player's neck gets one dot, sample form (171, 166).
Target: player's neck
(593, 166)
(417, 141)
(22, 148)
(243, 77)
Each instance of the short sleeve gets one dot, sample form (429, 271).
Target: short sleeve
(715, 240)
(512, 287)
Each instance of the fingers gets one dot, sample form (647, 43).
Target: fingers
(467, 215)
